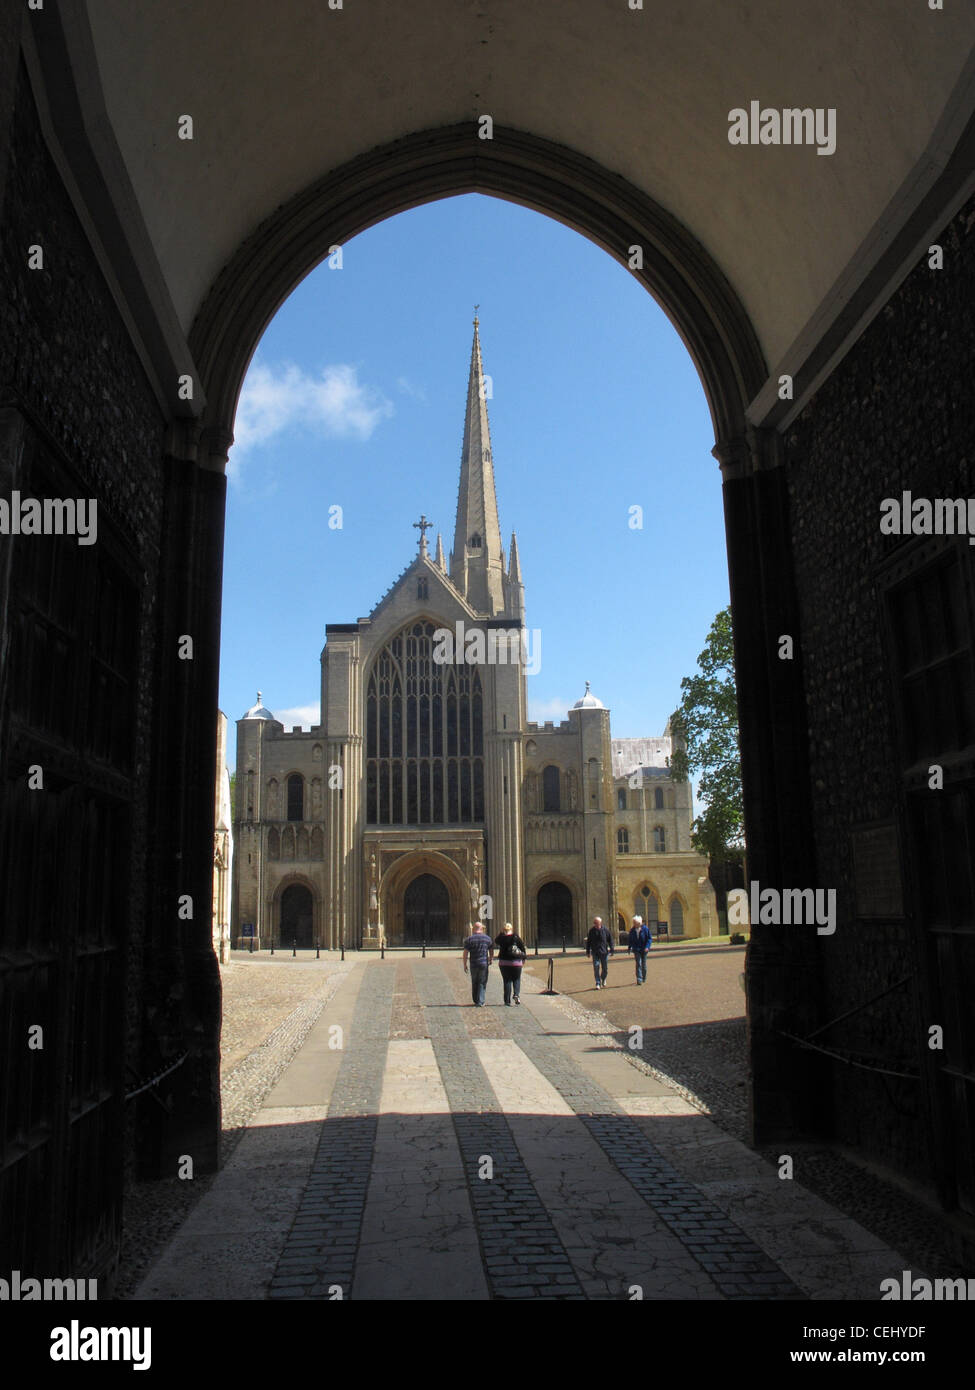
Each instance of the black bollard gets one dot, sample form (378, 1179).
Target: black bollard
(272, 945)
(343, 948)
(382, 948)
(536, 948)
(551, 976)
(294, 947)
(318, 950)
(252, 945)
(424, 955)
(563, 943)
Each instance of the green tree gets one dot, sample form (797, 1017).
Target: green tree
(705, 731)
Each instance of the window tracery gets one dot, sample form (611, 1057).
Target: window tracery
(424, 736)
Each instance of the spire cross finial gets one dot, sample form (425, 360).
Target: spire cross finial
(423, 526)
(476, 307)
(258, 697)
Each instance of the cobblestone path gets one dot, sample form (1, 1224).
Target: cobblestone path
(417, 1148)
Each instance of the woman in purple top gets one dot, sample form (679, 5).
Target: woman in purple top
(511, 957)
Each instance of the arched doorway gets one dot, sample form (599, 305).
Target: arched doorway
(554, 914)
(426, 912)
(297, 916)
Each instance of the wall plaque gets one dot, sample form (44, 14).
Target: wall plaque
(877, 871)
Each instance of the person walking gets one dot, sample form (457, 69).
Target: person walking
(599, 945)
(639, 941)
(479, 950)
(511, 958)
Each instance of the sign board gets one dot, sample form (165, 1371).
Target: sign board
(247, 929)
(877, 871)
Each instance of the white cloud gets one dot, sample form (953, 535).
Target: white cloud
(334, 404)
(408, 389)
(541, 710)
(305, 715)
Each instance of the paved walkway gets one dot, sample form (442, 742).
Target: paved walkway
(418, 1148)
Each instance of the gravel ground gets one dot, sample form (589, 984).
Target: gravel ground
(269, 1006)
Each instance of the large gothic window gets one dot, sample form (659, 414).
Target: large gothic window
(296, 797)
(424, 736)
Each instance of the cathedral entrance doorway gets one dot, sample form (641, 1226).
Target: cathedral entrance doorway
(554, 914)
(426, 912)
(297, 916)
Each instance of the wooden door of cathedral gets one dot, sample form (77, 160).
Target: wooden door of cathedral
(554, 905)
(426, 912)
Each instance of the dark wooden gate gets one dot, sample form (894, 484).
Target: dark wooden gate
(67, 699)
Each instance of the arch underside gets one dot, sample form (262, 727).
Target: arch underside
(525, 169)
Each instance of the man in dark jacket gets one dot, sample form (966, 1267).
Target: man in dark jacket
(639, 942)
(599, 945)
(479, 949)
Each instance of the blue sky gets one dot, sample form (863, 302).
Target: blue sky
(355, 398)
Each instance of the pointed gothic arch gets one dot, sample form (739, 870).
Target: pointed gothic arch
(646, 904)
(527, 169)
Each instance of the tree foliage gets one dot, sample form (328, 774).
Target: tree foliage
(705, 732)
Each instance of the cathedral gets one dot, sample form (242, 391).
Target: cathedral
(426, 800)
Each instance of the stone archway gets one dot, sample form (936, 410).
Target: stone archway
(296, 916)
(720, 337)
(445, 911)
(537, 173)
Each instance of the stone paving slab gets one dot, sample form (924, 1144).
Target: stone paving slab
(365, 1173)
(826, 1254)
(522, 1253)
(318, 1259)
(418, 1239)
(311, 1077)
(738, 1267)
(614, 1239)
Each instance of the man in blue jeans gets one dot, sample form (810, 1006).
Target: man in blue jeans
(599, 945)
(479, 949)
(639, 942)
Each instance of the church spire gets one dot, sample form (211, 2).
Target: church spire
(477, 561)
(514, 588)
(514, 564)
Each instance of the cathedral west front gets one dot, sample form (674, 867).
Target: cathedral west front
(426, 800)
